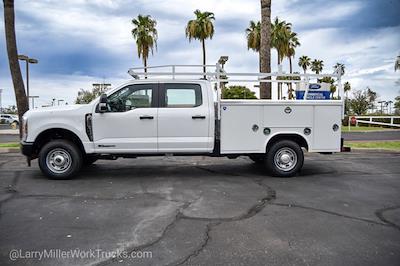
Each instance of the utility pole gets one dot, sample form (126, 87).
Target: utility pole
(28, 61)
(381, 102)
(33, 100)
(222, 61)
(390, 107)
(1, 106)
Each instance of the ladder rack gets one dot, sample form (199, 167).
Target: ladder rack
(218, 75)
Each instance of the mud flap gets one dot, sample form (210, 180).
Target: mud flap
(342, 147)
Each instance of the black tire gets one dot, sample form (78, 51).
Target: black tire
(89, 160)
(294, 158)
(56, 151)
(257, 159)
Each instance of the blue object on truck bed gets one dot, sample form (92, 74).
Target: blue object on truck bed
(315, 92)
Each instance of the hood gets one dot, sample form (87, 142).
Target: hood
(55, 110)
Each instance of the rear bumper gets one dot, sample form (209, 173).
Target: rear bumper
(26, 148)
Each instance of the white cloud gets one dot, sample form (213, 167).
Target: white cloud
(106, 24)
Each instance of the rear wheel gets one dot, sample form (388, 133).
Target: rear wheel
(284, 159)
(60, 159)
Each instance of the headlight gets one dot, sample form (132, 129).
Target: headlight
(24, 129)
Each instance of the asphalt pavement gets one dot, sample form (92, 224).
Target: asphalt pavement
(342, 209)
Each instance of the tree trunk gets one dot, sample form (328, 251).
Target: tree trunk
(265, 47)
(145, 66)
(278, 83)
(290, 84)
(11, 42)
(203, 43)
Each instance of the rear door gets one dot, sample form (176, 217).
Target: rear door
(183, 118)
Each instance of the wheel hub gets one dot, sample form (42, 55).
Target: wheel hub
(285, 159)
(58, 160)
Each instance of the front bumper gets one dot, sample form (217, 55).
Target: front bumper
(27, 149)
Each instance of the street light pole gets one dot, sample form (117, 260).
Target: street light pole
(1, 106)
(27, 61)
(381, 102)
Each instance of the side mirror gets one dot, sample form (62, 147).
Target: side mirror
(103, 104)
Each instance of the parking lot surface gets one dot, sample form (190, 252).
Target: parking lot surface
(343, 209)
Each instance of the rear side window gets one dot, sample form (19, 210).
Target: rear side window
(182, 95)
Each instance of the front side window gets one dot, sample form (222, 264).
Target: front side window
(182, 95)
(131, 97)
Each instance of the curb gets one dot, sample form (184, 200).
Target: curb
(9, 132)
(9, 150)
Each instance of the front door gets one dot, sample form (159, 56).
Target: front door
(183, 118)
(130, 125)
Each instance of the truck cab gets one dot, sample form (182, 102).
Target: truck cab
(159, 117)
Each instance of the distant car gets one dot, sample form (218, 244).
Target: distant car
(9, 119)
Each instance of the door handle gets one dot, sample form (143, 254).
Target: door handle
(146, 117)
(198, 117)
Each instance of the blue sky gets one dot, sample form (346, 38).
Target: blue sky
(80, 42)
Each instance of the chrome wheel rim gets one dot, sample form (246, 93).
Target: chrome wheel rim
(58, 160)
(285, 159)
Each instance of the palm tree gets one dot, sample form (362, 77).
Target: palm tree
(280, 35)
(280, 31)
(145, 33)
(304, 63)
(347, 88)
(12, 52)
(265, 47)
(253, 36)
(332, 89)
(201, 29)
(317, 66)
(339, 67)
(397, 63)
(293, 42)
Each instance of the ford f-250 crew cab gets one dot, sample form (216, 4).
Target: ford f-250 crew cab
(152, 117)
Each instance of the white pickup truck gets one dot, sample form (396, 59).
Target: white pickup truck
(155, 117)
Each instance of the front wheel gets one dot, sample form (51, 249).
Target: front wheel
(60, 159)
(284, 159)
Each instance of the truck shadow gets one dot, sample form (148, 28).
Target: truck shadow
(229, 168)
